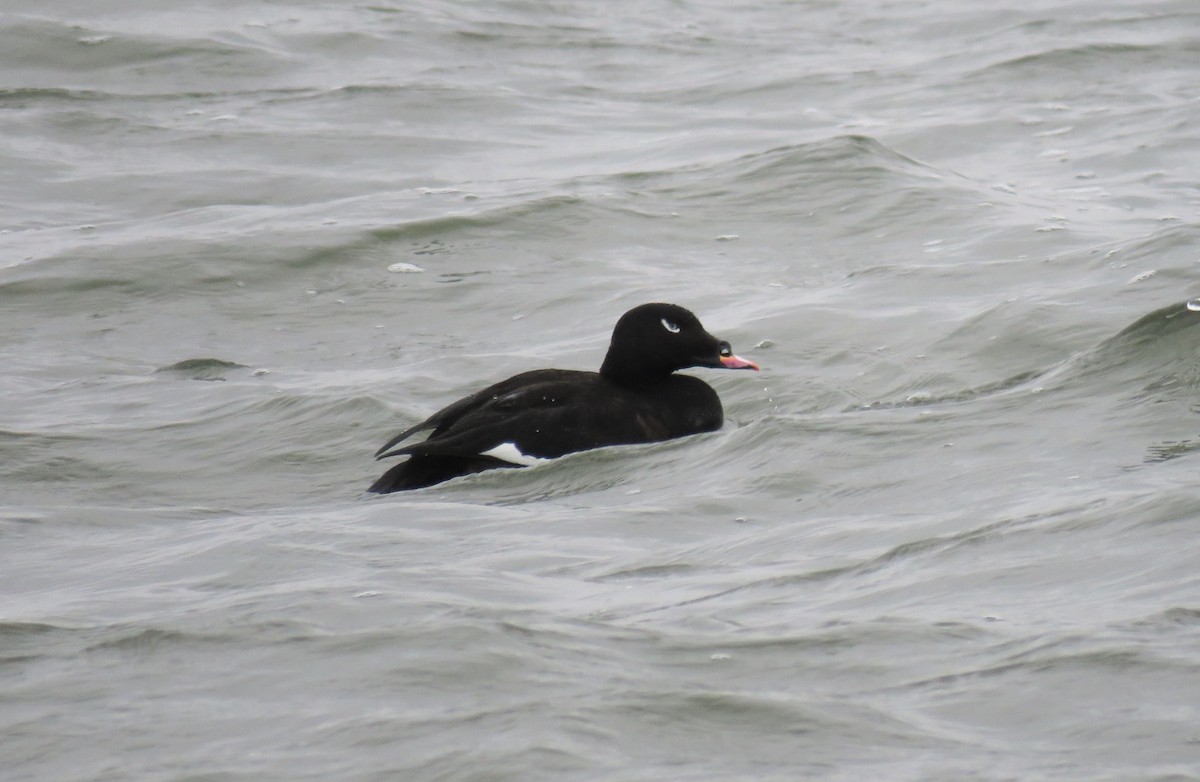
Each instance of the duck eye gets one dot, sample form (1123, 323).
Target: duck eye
(670, 326)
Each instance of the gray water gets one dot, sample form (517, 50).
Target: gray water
(948, 533)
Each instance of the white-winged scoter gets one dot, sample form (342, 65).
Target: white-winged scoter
(546, 413)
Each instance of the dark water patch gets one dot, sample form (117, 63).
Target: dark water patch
(44, 46)
(1157, 356)
(1159, 351)
(460, 234)
(35, 287)
(26, 641)
(844, 186)
(1180, 617)
(648, 572)
(56, 469)
(427, 101)
(292, 407)
(153, 640)
(834, 637)
(262, 444)
(795, 173)
(717, 708)
(202, 368)
(1056, 656)
(1171, 449)
(940, 547)
(28, 97)
(965, 395)
(897, 566)
(1170, 249)
(1155, 326)
(542, 211)
(670, 729)
(1092, 60)
(32, 458)
(65, 97)
(165, 262)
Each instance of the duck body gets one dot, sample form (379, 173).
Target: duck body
(547, 413)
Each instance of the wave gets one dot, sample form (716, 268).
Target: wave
(1159, 349)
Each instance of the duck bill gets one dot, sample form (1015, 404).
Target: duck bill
(737, 362)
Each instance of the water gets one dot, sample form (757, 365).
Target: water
(947, 534)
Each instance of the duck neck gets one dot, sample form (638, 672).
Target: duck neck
(631, 373)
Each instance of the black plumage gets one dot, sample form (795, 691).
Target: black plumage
(546, 413)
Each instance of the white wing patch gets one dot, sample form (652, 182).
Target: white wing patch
(509, 452)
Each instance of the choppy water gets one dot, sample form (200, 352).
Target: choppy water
(949, 533)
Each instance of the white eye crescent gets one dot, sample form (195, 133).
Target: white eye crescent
(670, 326)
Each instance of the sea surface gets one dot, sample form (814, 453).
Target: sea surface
(950, 532)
